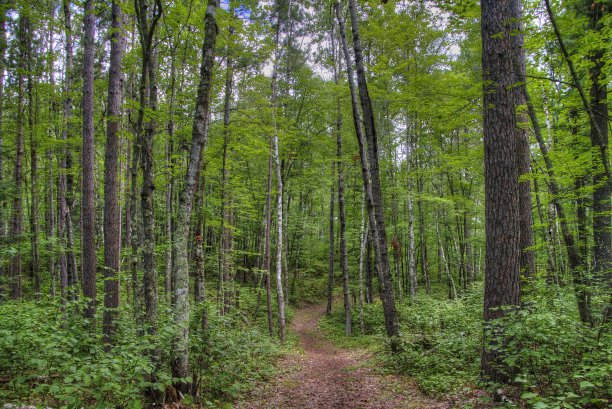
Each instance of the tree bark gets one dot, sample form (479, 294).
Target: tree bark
(145, 131)
(370, 172)
(523, 157)
(88, 214)
(502, 207)
(411, 253)
(341, 206)
(330, 269)
(15, 268)
(32, 115)
(363, 235)
(279, 191)
(180, 361)
(112, 218)
(67, 262)
(3, 46)
(226, 236)
(602, 234)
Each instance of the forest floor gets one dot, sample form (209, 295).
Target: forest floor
(323, 376)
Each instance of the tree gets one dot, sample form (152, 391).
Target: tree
(280, 299)
(199, 135)
(523, 157)
(112, 219)
(147, 19)
(15, 279)
(375, 204)
(330, 268)
(341, 203)
(67, 262)
(89, 260)
(502, 211)
(602, 233)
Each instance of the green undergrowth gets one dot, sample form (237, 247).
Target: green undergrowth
(555, 360)
(53, 359)
(439, 343)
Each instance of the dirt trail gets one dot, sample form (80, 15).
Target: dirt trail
(326, 377)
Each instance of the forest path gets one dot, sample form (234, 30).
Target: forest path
(323, 376)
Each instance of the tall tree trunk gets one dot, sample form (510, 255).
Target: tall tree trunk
(32, 115)
(369, 295)
(279, 191)
(226, 210)
(112, 218)
(370, 172)
(502, 208)
(88, 214)
(602, 234)
(330, 269)
(67, 259)
(523, 155)
(199, 292)
(363, 235)
(180, 361)
(3, 46)
(15, 268)
(267, 243)
(341, 206)
(422, 239)
(411, 253)
(147, 18)
(149, 278)
(50, 190)
(343, 255)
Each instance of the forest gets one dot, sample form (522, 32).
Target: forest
(362, 204)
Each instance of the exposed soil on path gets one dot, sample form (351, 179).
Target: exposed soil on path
(323, 376)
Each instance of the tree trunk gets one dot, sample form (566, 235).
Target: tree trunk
(363, 236)
(370, 172)
(602, 234)
(180, 361)
(267, 243)
(88, 213)
(112, 219)
(422, 240)
(67, 260)
(17, 210)
(523, 155)
(279, 192)
(411, 253)
(341, 209)
(226, 236)
(3, 46)
(32, 115)
(145, 130)
(502, 207)
(330, 270)
(199, 292)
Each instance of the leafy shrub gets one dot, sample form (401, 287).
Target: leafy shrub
(558, 361)
(55, 358)
(440, 342)
(230, 356)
